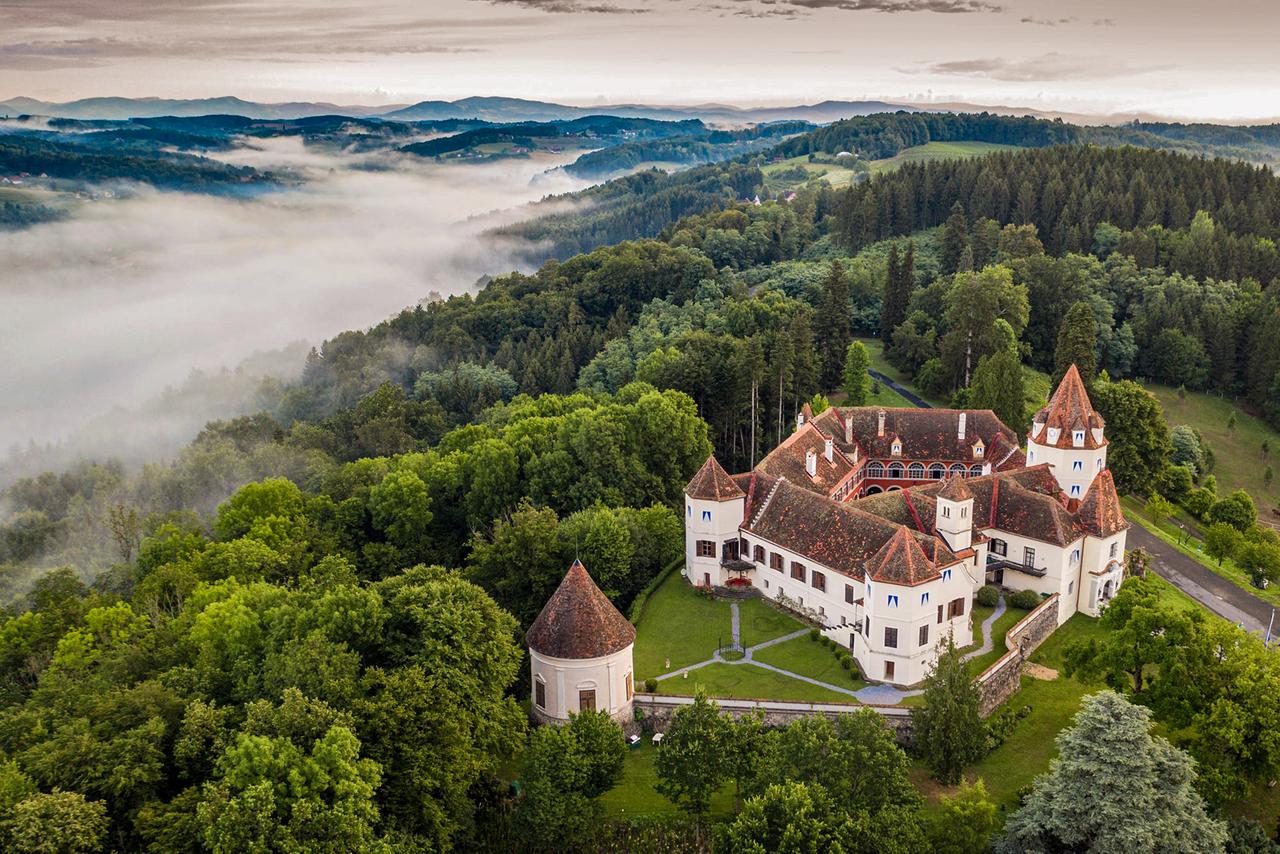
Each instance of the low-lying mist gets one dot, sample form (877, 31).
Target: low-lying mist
(104, 311)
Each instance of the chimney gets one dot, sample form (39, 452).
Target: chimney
(827, 448)
(811, 462)
(961, 427)
(799, 420)
(880, 423)
(848, 429)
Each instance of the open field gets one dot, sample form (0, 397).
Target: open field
(636, 796)
(937, 151)
(833, 174)
(1238, 453)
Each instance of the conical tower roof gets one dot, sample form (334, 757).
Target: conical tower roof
(579, 621)
(955, 489)
(713, 483)
(901, 560)
(1100, 511)
(1070, 409)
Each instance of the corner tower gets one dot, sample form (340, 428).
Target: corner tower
(714, 507)
(1068, 435)
(580, 651)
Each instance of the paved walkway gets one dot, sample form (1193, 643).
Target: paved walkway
(910, 395)
(1203, 584)
(884, 695)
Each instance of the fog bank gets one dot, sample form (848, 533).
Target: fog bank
(125, 299)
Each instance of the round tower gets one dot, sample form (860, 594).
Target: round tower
(580, 648)
(1068, 435)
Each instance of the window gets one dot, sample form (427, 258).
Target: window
(587, 700)
(1114, 548)
(946, 575)
(956, 469)
(875, 470)
(706, 515)
(1098, 461)
(955, 608)
(797, 570)
(1075, 490)
(1071, 585)
(822, 612)
(1077, 438)
(775, 561)
(975, 471)
(895, 470)
(977, 451)
(946, 512)
(924, 598)
(540, 694)
(896, 450)
(630, 689)
(730, 551)
(964, 512)
(937, 471)
(1028, 556)
(1075, 555)
(999, 547)
(939, 613)
(759, 555)
(916, 471)
(924, 635)
(1031, 455)
(890, 637)
(893, 600)
(1077, 465)
(688, 509)
(706, 548)
(818, 580)
(888, 670)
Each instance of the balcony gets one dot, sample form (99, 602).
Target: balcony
(999, 563)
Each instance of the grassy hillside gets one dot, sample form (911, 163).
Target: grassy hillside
(779, 175)
(937, 151)
(1238, 452)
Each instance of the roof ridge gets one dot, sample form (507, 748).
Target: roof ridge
(906, 496)
(765, 504)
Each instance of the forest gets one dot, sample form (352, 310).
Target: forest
(305, 631)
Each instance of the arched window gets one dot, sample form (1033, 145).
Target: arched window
(957, 469)
(894, 489)
(937, 471)
(895, 470)
(875, 470)
(915, 471)
(975, 471)
(874, 490)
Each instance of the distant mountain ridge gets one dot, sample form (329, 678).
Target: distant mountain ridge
(493, 109)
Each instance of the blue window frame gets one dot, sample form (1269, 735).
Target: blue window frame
(706, 515)
(893, 600)
(946, 576)
(924, 598)
(1078, 465)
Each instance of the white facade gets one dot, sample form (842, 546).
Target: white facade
(567, 685)
(708, 526)
(1075, 466)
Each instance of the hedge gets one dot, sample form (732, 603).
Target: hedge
(637, 604)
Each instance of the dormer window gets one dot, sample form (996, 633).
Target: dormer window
(977, 451)
(896, 449)
(1077, 438)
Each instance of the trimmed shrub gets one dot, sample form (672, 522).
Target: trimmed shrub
(651, 685)
(1024, 600)
(846, 663)
(987, 596)
(829, 642)
(854, 673)
(814, 634)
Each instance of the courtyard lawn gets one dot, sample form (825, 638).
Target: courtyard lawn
(999, 629)
(759, 622)
(1238, 453)
(635, 795)
(811, 658)
(748, 682)
(678, 625)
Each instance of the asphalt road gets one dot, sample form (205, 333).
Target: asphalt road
(1203, 584)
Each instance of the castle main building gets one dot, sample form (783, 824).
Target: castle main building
(881, 524)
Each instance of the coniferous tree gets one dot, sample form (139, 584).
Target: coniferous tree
(1077, 340)
(1114, 787)
(894, 304)
(833, 325)
(998, 385)
(955, 239)
(857, 381)
(948, 728)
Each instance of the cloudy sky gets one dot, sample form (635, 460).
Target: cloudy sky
(1178, 57)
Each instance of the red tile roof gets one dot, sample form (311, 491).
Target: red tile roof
(926, 434)
(901, 560)
(1100, 511)
(579, 621)
(955, 490)
(1070, 409)
(788, 460)
(713, 483)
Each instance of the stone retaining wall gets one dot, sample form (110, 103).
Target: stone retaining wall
(1002, 679)
(658, 709)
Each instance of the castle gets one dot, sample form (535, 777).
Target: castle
(881, 524)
